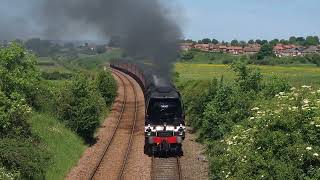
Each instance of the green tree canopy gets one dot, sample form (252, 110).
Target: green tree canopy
(265, 51)
(234, 42)
(206, 41)
(214, 41)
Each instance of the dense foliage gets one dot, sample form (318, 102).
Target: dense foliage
(20, 150)
(79, 105)
(107, 86)
(255, 128)
(78, 99)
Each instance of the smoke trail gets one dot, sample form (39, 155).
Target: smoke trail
(145, 27)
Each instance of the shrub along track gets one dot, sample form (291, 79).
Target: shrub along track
(166, 168)
(114, 158)
(107, 158)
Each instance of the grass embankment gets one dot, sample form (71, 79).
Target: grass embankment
(295, 75)
(63, 143)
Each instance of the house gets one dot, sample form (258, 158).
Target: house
(203, 47)
(287, 50)
(291, 52)
(214, 48)
(252, 49)
(223, 48)
(310, 50)
(186, 46)
(235, 50)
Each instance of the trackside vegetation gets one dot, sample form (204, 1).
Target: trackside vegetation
(255, 128)
(47, 119)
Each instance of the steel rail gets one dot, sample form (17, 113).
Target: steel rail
(106, 148)
(121, 173)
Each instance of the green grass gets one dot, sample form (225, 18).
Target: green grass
(47, 64)
(93, 62)
(65, 145)
(295, 75)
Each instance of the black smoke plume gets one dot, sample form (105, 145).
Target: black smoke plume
(146, 28)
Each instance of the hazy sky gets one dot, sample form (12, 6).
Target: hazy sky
(246, 19)
(224, 20)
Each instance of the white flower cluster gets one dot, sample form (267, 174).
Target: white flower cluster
(6, 175)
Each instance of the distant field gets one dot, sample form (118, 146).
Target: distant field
(296, 75)
(49, 65)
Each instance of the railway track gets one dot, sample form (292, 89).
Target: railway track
(111, 149)
(166, 169)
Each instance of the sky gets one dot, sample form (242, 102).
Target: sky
(220, 19)
(250, 19)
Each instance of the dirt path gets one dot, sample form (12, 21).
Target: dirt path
(194, 164)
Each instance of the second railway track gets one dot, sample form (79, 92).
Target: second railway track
(112, 163)
(166, 169)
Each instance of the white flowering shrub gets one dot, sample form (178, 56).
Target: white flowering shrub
(281, 140)
(7, 175)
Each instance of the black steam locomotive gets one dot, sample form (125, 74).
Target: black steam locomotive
(164, 121)
(164, 113)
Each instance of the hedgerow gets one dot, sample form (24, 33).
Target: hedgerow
(255, 128)
(107, 86)
(79, 105)
(22, 154)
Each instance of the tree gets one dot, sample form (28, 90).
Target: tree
(242, 43)
(264, 42)
(274, 42)
(101, 49)
(301, 41)
(311, 41)
(251, 41)
(258, 41)
(214, 41)
(283, 41)
(265, 51)
(115, 41)
(293, 40)
(79, 106)
(107, 86)
(199, 41)
(234, 42)
(206, 41)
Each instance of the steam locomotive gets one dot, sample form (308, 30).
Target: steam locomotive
(164, 113)
(164, 118)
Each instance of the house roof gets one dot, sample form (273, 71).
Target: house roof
(251, 49)
(234, 48)
(311, 49)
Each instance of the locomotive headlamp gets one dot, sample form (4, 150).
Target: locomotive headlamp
(148, 130)
(181, 130)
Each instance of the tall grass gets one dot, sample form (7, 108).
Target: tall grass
(66, 146)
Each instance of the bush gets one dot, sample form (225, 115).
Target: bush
(56, 75)
(280, 141)
(187, 56)
(14, 113)
(274, 86)
(79, 106)
(24, 156)
(107, 86)
(249, 79)
(18, 72)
